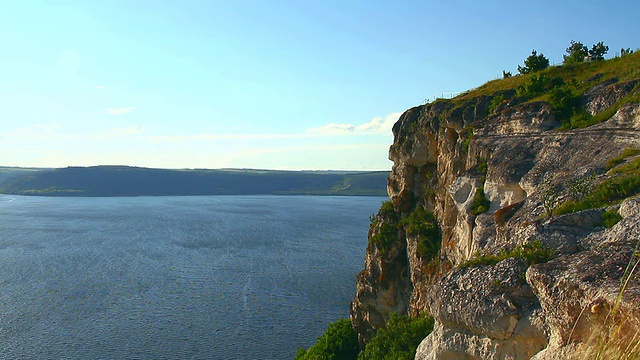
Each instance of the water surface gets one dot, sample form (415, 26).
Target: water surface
(212, 277)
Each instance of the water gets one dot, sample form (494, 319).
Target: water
(212, 277)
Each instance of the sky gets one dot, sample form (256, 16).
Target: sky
(293, 85)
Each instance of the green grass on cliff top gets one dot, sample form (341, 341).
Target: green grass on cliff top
(623, 68)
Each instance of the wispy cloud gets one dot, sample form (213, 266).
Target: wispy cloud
(377, 125)
(99, 87)
(119, 111)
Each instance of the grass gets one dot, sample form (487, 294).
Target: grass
(621, 158)
(562, 85)
(610, 218)
(581, 119)
(615, 337)
(608, 192)
(532, 253)
(624, 68)
(624, 181)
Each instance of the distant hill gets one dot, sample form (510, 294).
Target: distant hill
(136, 181)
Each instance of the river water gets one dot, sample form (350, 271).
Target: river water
(203, 277)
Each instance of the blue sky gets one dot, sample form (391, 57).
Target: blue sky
(258, 84)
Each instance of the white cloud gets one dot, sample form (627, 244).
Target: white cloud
(119, 111)
(99, 87)
(377, 126)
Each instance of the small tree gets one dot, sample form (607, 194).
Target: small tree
(577, 52)
(534, 63)
(626, 51)
(506, 74)
(597, 51)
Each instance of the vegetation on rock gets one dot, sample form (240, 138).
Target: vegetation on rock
(532, 253)
(610, 218)
(480, 203)
(340, 341)
(623, 182)
(385, 237)
(563, 86)
(399, 339)
(423, 225)
(621, 158)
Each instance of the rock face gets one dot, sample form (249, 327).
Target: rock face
(448, 153)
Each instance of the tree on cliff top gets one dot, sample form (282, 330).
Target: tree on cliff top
(597, 51)
(534, 63)
(577, 51)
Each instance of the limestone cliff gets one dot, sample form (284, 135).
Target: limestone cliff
(511, 151)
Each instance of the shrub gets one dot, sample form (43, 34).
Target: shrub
(534, 63)
(465, 136)
(564, 104)
(385, 237)
(581, 186)
(532, 253)
(537, 85)
(495, 103)
(399, 340)
(577, 51)
(422, 224)
(340, 341)
(386, 208)
(480, 203)
(482, 167)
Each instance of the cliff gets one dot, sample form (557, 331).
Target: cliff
(520, 186)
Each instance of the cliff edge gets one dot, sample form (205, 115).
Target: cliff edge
(513, 217)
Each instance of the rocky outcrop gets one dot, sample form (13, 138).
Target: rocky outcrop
(446, 156)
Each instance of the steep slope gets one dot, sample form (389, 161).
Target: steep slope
(494, 167)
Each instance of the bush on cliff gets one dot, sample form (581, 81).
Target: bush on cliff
(340, 341)
(534, 63)
(399, 340)
(480, 203)
(422, 224)
(385, 237)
